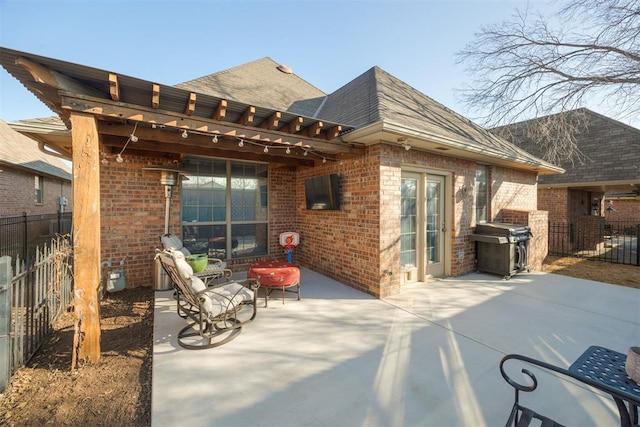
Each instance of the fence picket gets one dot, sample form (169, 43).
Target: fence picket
(40, 294)
(600, 239)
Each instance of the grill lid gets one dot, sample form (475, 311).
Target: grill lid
(502, 229)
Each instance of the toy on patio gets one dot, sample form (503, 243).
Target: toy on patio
(289, 241)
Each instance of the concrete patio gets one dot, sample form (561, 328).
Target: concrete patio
(426, 357)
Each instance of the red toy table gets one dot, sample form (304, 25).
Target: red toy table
(275, 274)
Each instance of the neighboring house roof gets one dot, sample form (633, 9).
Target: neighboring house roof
(612, 156)
(23, 152)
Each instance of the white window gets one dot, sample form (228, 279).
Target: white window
(38, 187)
(223, 198)
(482, 193)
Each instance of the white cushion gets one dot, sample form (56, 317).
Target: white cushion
(170, 241)
(241, 293)
(184, 269)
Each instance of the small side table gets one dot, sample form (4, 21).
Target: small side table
(606, 367)
(276, 275)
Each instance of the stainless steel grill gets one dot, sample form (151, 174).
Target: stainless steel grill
(502, 248)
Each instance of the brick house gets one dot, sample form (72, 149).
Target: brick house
(31, 181)
(608, 177)
(414, 177)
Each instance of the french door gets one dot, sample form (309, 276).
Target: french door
(423, 226)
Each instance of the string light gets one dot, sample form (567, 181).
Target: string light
(266, 149)
(132, 138)
(185, 135)
(288, 151)
(241, 143)
(214, 139)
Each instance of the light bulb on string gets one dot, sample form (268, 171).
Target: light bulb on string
(305, 152)
(185, 135)
(241, 143)
(288, 150)
(266, 149)
(215, 139)
(119, 158)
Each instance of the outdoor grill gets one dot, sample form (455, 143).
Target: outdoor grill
(502, 248)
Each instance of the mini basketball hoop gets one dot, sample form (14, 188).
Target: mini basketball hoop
(289, 241)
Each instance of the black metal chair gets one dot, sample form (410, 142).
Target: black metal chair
(217, 313)
(625, 393)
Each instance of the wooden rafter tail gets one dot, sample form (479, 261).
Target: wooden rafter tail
(191, 104)
(155, 97)
(295, 124)
(332, 132)
(314, 130)
(247, 117)
(272, 121)
(221, 111)
(114, 87)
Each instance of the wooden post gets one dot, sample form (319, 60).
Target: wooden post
(86, 238)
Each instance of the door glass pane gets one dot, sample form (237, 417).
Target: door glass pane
(433, 220)
(408, 218)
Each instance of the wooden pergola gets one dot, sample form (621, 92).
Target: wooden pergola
(102, 109)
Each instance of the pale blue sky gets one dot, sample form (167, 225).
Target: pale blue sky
(327, 43)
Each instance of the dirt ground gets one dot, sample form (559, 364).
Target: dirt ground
(117, 391)
(114, 392)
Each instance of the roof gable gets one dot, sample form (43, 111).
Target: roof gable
(21, 151)
(260, 83)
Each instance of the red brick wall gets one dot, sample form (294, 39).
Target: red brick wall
(18, 193)
(345, 244)
(354, 245)
(556, 202)
(132, 208)
(358, 243)
(538, 221)
(625, 210)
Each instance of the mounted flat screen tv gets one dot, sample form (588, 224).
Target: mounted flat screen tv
(322, 192)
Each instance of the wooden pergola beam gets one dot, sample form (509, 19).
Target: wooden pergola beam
(46, 76)
(295, 124)
(221, 111)
(272, 121)
(86, 238)
(191, 104)
(332, 132)
(230, 151)
(314, 130)
(247, 117)
(118, 112)
(155, 96)
(114, 88)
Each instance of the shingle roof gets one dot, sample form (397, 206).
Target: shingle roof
(611, 148)
(378, 96)
(260, 83)
(21, 151)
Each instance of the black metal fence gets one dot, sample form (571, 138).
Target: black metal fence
(21, 235)
(609, 241)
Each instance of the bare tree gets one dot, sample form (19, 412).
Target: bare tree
(528, 68)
